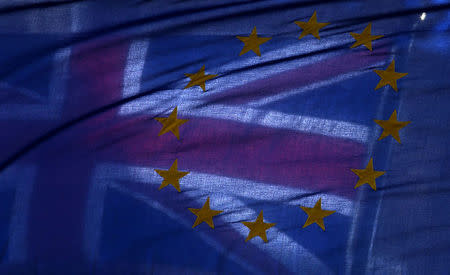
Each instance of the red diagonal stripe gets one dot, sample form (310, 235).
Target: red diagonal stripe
(237, 150)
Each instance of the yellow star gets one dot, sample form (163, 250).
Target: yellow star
(391, 126)
(252, 42)
(311, 27)
(171, 176)
(171, 123)
(389, 77)
(365, 38)
(258, 228)
(204, 214)
(199, 78)
(316, 214)
(367, 175)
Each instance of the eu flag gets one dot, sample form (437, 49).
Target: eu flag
(224, 137)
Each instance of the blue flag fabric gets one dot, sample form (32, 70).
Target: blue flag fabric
(87, 93)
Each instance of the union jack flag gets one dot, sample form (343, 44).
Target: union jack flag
(79, 97)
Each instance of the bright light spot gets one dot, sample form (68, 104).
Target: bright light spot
(422, 17)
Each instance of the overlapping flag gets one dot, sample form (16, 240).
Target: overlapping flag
(224, 137)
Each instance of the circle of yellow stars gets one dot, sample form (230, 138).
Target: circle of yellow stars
(316, 214)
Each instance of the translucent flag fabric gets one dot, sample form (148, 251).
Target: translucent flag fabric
(224, 137)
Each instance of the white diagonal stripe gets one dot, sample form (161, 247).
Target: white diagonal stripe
(160, 103)
(223, 192)
(214, 184)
